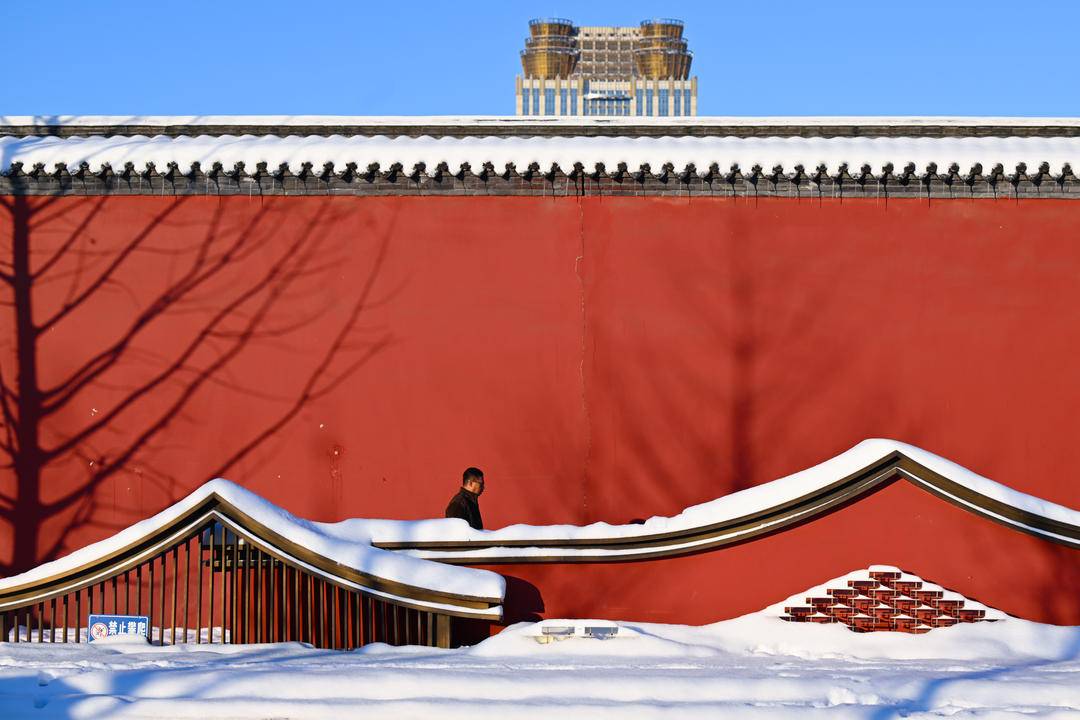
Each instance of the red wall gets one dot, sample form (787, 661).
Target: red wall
(600, 358)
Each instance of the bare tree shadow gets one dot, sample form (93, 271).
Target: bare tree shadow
(230, 291)
(691, 387)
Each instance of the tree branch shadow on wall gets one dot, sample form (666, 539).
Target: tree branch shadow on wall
(721, 410)
(229, 293)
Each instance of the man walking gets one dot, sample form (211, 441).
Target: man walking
(466, 504)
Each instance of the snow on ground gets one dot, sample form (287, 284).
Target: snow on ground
(752, 667)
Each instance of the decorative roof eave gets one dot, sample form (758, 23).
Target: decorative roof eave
(997, 182)
(298, 154)
(1023, 513)
(786, 167)
(521, 126)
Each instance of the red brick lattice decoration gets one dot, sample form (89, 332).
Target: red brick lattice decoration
(887, 600)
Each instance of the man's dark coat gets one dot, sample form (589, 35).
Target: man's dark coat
(466, 505)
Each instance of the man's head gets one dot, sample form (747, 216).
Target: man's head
(473, 480)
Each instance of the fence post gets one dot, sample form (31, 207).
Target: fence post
(442, 631)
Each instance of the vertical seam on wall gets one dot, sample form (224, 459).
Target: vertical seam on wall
(581, 367)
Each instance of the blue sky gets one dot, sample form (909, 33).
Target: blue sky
(950, 57)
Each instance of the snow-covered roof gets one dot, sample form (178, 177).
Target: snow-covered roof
(700, 153)
(1035, 155)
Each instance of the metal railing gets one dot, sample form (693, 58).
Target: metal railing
(214, 575)
(212, 587)
(551, 21)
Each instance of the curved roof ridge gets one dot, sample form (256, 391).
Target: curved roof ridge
(744, 502)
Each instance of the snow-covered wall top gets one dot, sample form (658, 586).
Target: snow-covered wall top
(330, 540)
(786, 153)
(494, 120)
(741, 504)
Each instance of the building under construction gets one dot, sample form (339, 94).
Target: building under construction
(608, 71)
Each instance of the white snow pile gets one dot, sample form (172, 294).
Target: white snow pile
(763, 634)
(326, 539)
(729, 507)
(122, 641)
(294, 151)
(756, 666)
